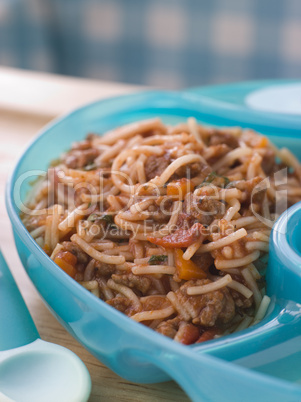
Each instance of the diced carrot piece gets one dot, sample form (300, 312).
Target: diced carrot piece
(69, 257)
(186, 269)
(68, 268)
(262, 142)
(179, 188)
(66, 261)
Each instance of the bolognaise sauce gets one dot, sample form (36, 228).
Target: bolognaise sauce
(203, 261)
(169, 328)
(139, 283)
(155, 166)
(207, 309)
(82, 258)
(122, 304)
(180, 238)
(223, 138)
(177, 284)
(203, 210)
(218, 151)
(79, 158)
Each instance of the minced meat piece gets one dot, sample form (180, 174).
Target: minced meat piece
(207, 309)
(223, 138)
(133, 281)
(204, 209)
(169, 328)
(203, 261)
(81, 145)
(155, 165)
(211, 207)
(78, 159)
(160, 217)
(191, 170)
(268, 162)
(122, 304)
(161, 210)
(241, 301)
(105, 269)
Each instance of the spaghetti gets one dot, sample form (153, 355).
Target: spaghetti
(168, 224)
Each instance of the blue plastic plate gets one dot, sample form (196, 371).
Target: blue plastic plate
(261, 363)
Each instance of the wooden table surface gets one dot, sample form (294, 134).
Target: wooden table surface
(28, 101)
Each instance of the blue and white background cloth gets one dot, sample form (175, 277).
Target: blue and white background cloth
(169, 43)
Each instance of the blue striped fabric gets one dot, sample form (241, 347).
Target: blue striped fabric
(170, 43)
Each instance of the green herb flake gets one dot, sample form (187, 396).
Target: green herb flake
(227, 181)
(93, 217)
(107, 218)
(155, 259)
(211, 177)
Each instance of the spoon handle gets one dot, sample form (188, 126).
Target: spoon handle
(207, 378)
(16, 325)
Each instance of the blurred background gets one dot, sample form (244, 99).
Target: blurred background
(166, 43)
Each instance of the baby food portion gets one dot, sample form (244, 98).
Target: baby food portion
(168, 224)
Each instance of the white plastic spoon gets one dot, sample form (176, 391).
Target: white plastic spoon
(32, 370)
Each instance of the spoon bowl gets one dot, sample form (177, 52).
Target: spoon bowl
(32, 370)
(43, 371)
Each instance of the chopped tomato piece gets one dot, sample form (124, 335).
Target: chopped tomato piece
(66, 261)
(180, 238)
(179, 188)
(187, 334)
(207, 335)
(186, 269)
